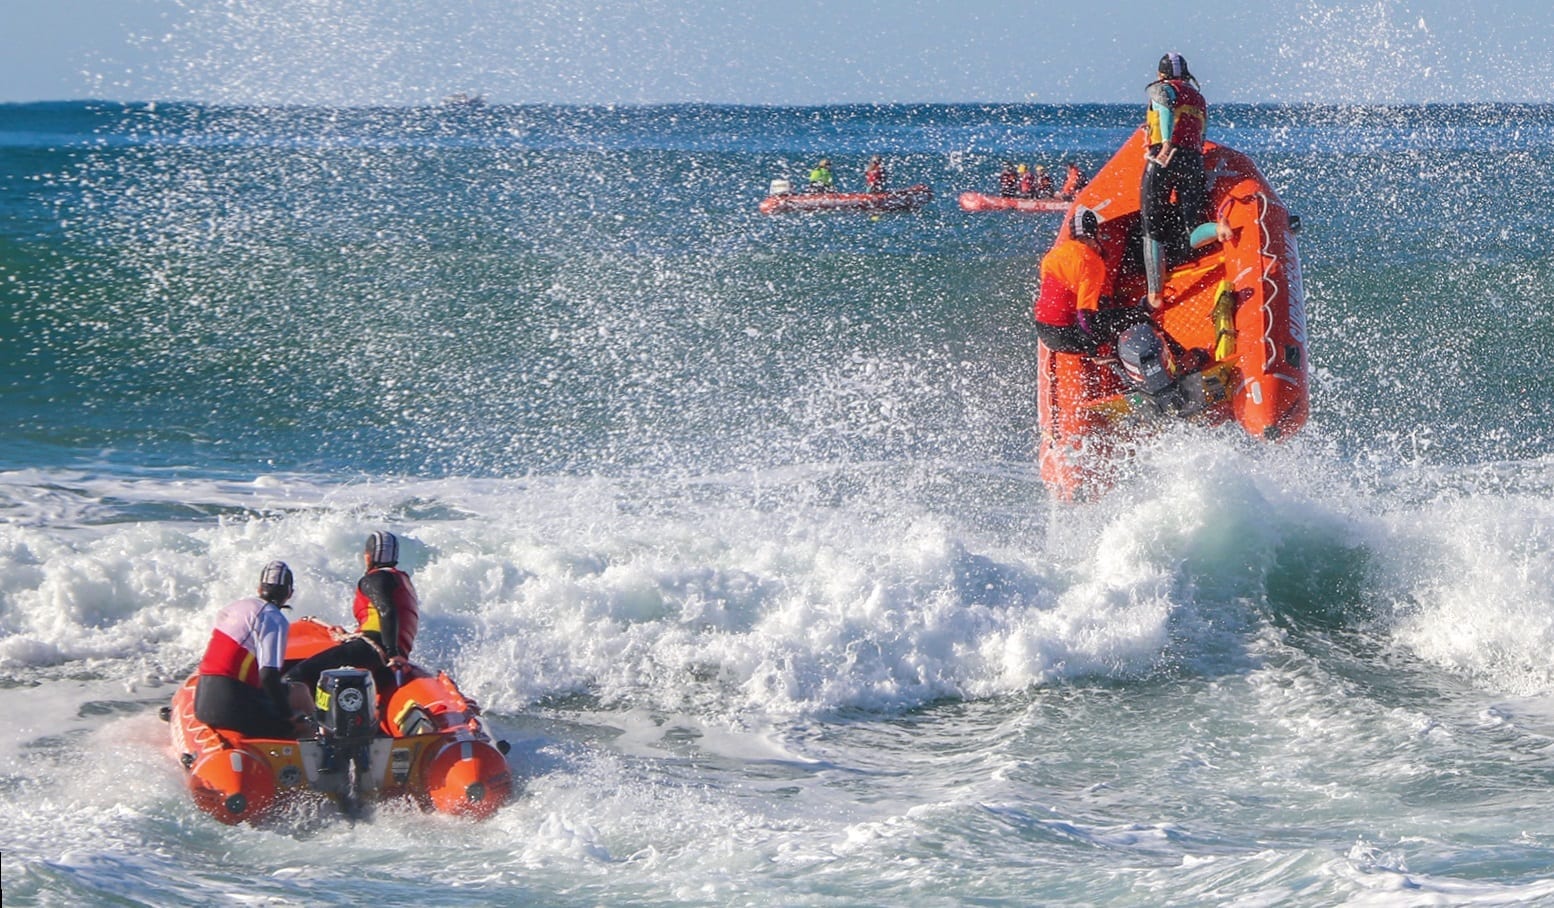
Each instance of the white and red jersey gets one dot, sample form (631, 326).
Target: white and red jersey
(250, 634)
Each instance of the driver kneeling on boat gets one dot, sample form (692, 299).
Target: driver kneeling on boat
(240, 686)
(1069, 315)
(388, 613)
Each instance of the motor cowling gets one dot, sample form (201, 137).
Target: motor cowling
(1146, 360)
(1159, 387)
(347, 705)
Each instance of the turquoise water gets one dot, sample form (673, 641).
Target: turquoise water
(733, 523)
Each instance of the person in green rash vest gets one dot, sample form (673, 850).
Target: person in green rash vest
(820, 179)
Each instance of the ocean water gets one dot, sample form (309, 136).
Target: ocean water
(732, 522)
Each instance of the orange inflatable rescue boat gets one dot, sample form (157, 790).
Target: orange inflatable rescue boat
(425, 742)
(1228, 344)
(981, 201)
(783, 199)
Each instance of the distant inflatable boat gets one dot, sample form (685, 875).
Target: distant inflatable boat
(1228, 344)
(981, 201)
(783, 200)
(424, 741)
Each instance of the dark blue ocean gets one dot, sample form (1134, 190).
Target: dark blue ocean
(733, 523)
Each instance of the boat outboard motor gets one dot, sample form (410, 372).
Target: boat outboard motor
(1149, 367)
(347, 712)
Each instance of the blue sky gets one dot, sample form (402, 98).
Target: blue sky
(793, 52)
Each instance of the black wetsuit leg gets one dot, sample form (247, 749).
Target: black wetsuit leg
(356, 653)
(1170, 224)
(1192, 191)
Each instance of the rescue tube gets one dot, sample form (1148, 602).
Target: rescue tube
(908, 199)
(981, 201)
(426, 742)
(1233, 320)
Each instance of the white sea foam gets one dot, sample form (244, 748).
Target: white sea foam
(709, 624)
(538, 589)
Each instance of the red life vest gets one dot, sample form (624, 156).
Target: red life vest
(407, 609)
(1190, 112)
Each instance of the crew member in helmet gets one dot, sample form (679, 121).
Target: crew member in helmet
(1174, 129)
(1008, 181)
(1041, 183)
(388, 613)
(240, 687)
(1074, 283)
(1027, 182)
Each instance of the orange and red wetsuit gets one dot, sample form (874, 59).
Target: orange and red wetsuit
(1073, 280)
